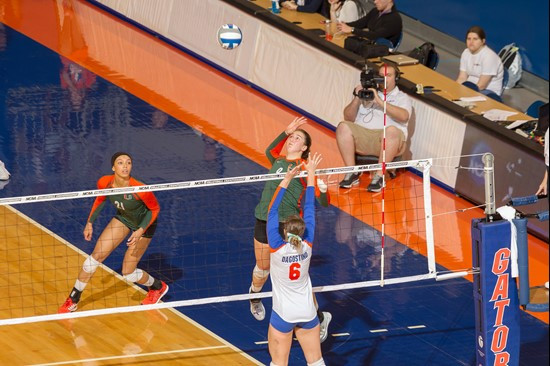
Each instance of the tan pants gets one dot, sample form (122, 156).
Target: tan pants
(369, 142)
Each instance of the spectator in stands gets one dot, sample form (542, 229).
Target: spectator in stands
(361, 131)
(480, 67)
(347, 11)
(307, 6)
(383, 21)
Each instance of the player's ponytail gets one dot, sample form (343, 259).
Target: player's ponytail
(294, 229)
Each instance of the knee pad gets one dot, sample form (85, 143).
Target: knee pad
(319, 362)
(90, 265)
(260, 273)
(134, 276)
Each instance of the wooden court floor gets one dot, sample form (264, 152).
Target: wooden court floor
(35, 264)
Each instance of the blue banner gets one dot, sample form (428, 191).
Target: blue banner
(495, 295)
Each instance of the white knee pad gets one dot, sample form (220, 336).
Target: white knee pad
(272, 364)
(260, 273)
(134, 276)
(319, 362)
(90, 265)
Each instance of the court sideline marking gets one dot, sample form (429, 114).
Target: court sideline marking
(108, 358)
(348, 334)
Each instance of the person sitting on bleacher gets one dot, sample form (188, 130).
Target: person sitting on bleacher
(480, 67)
(347, 10)
(383, 21)
(364, 135)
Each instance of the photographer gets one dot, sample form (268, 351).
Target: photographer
(364, 135)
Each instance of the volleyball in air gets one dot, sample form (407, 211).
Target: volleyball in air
(229, 36)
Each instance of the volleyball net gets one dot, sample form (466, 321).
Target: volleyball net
(203, 245)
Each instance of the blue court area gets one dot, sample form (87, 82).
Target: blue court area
(53, 141)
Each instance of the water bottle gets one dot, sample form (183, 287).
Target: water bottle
(328, 33)
(275, 7)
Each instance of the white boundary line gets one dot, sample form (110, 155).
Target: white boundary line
(114, 273)
(340, 334)
(121, 357)
(416, 326)
(378, 330)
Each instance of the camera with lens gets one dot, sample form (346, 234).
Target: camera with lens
(369, 80)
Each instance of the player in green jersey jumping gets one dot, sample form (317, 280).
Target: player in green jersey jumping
(298, 144)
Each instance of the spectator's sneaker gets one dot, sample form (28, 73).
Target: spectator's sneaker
(327, 317)
(154, 296)
(68, 306)
(257, 309)
(375, 184)
(4, 174)
(351, 179)
(546, 285)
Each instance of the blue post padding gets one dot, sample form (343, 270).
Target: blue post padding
(523, 260)
(495, 295)
(521, 201)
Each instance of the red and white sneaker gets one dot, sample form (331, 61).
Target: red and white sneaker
(154, 296)
(68, 306)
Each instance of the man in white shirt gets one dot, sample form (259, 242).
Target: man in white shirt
(364, 135)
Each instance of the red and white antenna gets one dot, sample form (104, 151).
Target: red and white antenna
(383, 179)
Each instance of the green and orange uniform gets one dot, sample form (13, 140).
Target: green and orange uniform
(135, 210)
(291, 203)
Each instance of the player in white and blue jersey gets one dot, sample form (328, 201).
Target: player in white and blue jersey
(293, 304)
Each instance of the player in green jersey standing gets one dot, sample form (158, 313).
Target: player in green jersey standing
(136, 214)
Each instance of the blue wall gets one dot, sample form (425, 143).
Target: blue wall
(504, 21)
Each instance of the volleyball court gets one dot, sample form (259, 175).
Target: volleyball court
(203, 247)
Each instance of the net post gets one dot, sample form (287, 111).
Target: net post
(496, 302)
(489, 175)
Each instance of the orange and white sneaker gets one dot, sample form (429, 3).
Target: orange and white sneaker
(68, 306)
(154, 296)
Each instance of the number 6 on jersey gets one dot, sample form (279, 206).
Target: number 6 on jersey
(294, 271)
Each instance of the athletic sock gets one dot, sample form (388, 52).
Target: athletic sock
(149, 281)
(75, 295)
(79, 285)
(157, 284)
(254, 292)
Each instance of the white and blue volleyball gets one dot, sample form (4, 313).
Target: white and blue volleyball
(229, 36)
